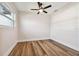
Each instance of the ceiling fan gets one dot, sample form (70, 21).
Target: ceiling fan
(42, 9)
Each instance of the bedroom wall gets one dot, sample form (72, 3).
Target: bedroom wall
(8, 35)
(65, 26)
(78, 23)
(34, 27)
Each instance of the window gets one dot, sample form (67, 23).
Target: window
(6, 16)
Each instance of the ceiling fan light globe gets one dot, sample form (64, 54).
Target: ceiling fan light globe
(40, 10)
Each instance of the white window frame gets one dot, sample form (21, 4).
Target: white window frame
(11, 19)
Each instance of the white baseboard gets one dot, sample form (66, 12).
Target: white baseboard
(65, 44)
(32, 39)
(10, 49)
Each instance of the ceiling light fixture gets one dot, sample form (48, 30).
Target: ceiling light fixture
(41, 10)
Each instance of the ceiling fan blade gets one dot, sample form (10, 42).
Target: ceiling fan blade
(45, 11)
(47, 6)
(34, 9)
(38, 12)
(39, 4)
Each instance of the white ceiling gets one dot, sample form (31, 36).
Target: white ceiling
(26, 6)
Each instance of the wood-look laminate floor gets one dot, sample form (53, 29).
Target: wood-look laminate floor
(39, 48)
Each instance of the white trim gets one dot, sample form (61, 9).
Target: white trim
(32, 39)
(65, 44)
(10, 49)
